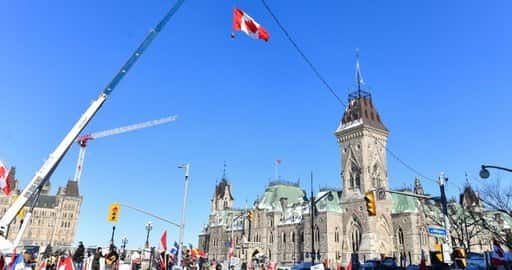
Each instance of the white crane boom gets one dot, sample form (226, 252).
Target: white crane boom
(48, 166)
(82, 140)
(133, 127)
(56, 156)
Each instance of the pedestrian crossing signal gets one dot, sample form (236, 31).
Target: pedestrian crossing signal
(369, 197)
(113, 212)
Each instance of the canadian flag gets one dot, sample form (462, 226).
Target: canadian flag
(243, 22)
(4, 179)
(232, 249)
(42, 265)
(349, 266)
(163, 240)
(66, 264)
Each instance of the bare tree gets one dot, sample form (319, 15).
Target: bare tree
(498, 202)
(465, 224)
(497, 197)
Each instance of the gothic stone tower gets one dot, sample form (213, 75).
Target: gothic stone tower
(222, 197)
(362, 138)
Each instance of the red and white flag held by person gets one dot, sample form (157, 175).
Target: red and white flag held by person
(349, 266)
(163, 240)
(66, 264)
(498, 255)
(42, 265)
(232, 249)
(4, 179)
(243, 22)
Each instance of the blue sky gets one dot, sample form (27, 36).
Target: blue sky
(439, 72)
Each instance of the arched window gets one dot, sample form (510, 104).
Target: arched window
(423, 237)
(271, 238)
(401, 244)
(355, 235)
(317, 234)
(284, 238)
(355, 176)
(336, 235)
(293, 237)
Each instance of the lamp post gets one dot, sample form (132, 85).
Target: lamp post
(484, 173)
(312, 209)
(124, 241)
(183, 210)
(149, 227)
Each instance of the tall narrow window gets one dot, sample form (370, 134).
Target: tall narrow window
(355, 176)
(355, 237)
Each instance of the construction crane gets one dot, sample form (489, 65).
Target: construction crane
(84, 139)
(35, 185)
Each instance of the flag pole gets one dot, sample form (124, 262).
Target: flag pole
(275, 170)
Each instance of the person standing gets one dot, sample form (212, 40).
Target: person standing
(96, 259)
(78, 256)
(112, 258)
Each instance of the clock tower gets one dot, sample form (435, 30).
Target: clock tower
(362, 138)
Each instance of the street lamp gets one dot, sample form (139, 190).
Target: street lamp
(185, 166)
(484, 173)
(124, 241)
(149, 227)
(312, 210)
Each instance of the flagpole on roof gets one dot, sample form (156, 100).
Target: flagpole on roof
(275, 170)
(359, 78)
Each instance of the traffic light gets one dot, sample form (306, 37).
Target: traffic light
(250, 215)
(439, 252)
(460, 257)
(21, 213)
(369, 197)
(113, 212)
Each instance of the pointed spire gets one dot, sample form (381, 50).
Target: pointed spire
(359, 77)
(224, 171)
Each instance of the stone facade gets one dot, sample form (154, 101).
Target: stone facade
(282, 231)
(54, 219)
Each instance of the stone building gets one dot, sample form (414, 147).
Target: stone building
(54, 219)
(282, 229)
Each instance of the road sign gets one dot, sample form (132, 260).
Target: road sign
(113, 212)
(437, 231)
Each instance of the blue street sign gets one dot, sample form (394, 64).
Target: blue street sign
(436, 231)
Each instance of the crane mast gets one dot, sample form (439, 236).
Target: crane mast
(83, 140)
(56, 156)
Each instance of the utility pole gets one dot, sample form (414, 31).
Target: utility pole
(183, 210)
(444, 206)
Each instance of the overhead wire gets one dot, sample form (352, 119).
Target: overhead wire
(331, 89)
(301, 53)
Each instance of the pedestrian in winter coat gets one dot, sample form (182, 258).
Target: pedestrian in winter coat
(96, 259)
(78, 256)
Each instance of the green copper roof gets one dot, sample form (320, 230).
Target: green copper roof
(404, 204)
(273, 194)
(330, 206)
